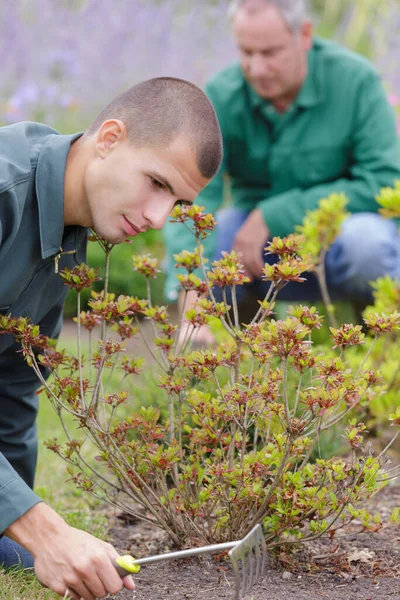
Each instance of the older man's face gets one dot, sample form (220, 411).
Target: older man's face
(273, 58)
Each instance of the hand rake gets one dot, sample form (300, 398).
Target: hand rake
(248, 557)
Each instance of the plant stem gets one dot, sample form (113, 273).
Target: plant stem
(235, 307)
(209, 288)
(260, 513)
(394, 438)
(79, 349)
(321, 276)
(286, 396)
(226, 304)
(266, 299)
(366, 356)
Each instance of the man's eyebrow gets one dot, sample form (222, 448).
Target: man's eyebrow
(268, 49)
(162, 180)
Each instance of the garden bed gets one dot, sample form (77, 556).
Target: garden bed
(353, 567)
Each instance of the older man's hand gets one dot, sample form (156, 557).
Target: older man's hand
(249, 243)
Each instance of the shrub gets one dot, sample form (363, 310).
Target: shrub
(121, 278)
(233, 450)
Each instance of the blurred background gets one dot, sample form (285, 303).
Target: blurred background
(63, 60)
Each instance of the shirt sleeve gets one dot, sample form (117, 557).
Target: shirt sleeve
(18, 385)
(176, 235)
(375, 164)
(16, 497)
(18, 382)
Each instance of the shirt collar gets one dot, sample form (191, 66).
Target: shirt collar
(50, 174)
(311, 92)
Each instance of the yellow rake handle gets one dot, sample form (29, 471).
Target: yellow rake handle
(126, 565)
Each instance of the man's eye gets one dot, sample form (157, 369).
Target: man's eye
(272, 52)
(156, 184)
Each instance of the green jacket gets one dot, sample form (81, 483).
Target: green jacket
(338, 136)
(32, 166)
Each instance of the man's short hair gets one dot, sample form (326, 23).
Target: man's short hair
(294, 12)
(158, 110)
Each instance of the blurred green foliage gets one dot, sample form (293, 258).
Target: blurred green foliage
(123, 280)
(358, 24)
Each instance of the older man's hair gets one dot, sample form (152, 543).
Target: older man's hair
(158, 110)
(294, 12)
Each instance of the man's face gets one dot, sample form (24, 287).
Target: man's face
(273, 58)
(129, 189)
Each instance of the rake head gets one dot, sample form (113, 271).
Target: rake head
(248, 556)
(249, 561)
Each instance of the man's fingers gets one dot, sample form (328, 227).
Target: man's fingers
(255, 264)
(251, 257)
(70, 594)
(110, 579)
(259, 264)
(128, 582)
(114, 577)
(73, 595)
(250, 241)
(80, 590)
(203, 337)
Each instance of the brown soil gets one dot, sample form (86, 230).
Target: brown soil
(353, 567)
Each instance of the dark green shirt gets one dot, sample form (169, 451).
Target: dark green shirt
(339, 135)
(32, 232)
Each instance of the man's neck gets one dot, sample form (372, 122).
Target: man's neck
(75, 205)
(284, 102)
(282, 105)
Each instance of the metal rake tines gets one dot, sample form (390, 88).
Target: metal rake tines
(249, 561)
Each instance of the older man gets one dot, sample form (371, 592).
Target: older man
(154, 146)
(301, 118)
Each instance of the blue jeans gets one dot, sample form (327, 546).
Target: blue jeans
(368, 247)
(14, 555)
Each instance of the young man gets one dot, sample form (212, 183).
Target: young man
(154, 146)
(301, 118)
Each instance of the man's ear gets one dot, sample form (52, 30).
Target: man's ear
(307, 31)
(110, 133)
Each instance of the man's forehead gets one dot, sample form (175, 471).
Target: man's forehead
(254, 7)
(263, 31)
(259, 13)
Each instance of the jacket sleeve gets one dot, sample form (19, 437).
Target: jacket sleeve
(16, 497)
(375, 164)
(19, 384)
(176, 235)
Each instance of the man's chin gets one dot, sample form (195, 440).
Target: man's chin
(112, 238)
(265, 92)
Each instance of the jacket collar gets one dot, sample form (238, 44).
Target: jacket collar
(50, 174)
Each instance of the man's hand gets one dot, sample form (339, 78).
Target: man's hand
(202, 337)
(67, 560)
(249, 243)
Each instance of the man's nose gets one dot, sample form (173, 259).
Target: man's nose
(158, 216)
(258, 65)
